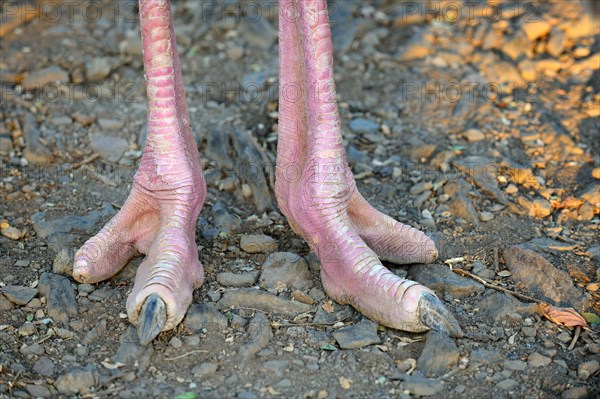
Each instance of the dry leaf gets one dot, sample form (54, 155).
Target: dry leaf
(328, 307)
(565, 316)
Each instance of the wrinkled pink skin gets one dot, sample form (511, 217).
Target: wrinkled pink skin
(314, 186)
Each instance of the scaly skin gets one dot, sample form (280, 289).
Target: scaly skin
(159, 217)
(314, 188)
(316, 191)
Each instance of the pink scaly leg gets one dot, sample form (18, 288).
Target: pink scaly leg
(159, 217)
(316, 190)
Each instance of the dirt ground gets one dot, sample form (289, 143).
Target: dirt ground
(476, 123)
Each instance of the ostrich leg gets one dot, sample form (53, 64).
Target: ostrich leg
(316, 191)
(159, 217)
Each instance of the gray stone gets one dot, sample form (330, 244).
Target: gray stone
(439, 354)
(38, 79)
(497, 305)
(440, 279)
(223, 220)
(204, 316)
(34, 152)
(482, 357)
(314, 263)
(63, 263)
(19, 295)
(61, 121)
(285, 268)
(538, 360)
(132, 44)
(479, 170)
(44, 366)
(587, 369)
(260, 300)
(27, 329)
(85, 289)
(537, 274)
(421, 187)
(254, 81)
(60, 297)
(358, 335)
(283, 384)
(575, 393)
(257, 32)
(593, 252)
(101, 294)
(97, 69)
(419, 46)
(110, 124)
(6, 145)
(131, 352)
(316, 294)
(258, 336)
(229, 279)
(204, 370)
(517, 45)
(258, 243)
(97, 332)
(278, 367)
(51, 229)
(474, 135)
(507, 384)
(175, 342)
(5, 304)
(421, 386)
(110, 148)
(557, 42)
(76, 381)
(363, 126)
(192, 340)
(38, 391)
(515, 365)
(460, 203)
(33, 349)
(22, 263)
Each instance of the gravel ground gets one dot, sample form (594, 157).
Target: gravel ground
(478, 124)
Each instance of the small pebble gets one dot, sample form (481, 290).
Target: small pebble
(192, 340)
(587, 369)
(204, 370)
(486, 216)
(44, 366)
(258, 243)
(575, 393)
(27, 329)
(506, 384)
(175, 343)
(538, 360)
(474, 135)
(345, 383)
(511, 189)
(564, 337)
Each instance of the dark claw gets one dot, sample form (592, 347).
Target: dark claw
(435, 316)
(152, 319)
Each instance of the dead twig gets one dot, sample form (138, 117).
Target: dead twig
(575, 338)
(85, 161)
(186, 354)
(487, 284)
